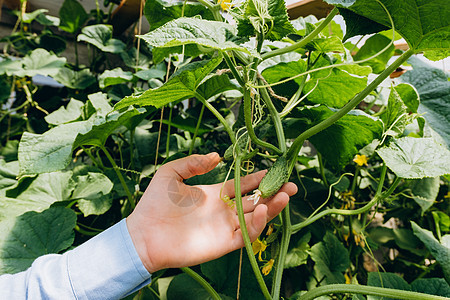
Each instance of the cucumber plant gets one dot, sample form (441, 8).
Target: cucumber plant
(239, 77)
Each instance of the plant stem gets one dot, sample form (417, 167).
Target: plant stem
(200, 117)
(243, 226)
(366, 290)
(304, 41)
(322, 169)
(345, 212)
(298, 142)
(218, 115)
(249, 125)
(168, 132)
(275, 119)
(213, 8)
(285, 239)
(233, 70)
(120, 176)
(194, 275)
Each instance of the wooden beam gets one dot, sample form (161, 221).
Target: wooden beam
(305, 8)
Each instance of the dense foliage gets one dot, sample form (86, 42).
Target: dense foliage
(369, 152)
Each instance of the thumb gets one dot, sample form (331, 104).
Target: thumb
(193, 165)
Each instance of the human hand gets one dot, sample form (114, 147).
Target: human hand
(176, 225)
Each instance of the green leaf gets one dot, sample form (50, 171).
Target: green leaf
(25, 238)
(372, 46)
(159, 12)
(327, 44)
(93, 190)
(184, 287)
(386, 280)
(434, 89)
(40, 62)
(10, 67)
(222, 274)
(115, 76)
(334, 87)
(425, 191)
(441, 252)
(331, 258)
(216, 85)
(185, 31)
(268, 16)
(285, 70)
(395, 117)
(99, 133)
(180, 86)
(48, 188)
(50, 151)
(344, 3)
(298, 255)
(72, 15)
(415, 20)
(340, 142)
(48, 20)
(100, 103)
(100, 36)
(8, 174)
(409, 96)
(77, 80)
(65, 114)
(415, 158)
(358, 25)
(442, 219)
(431, 286)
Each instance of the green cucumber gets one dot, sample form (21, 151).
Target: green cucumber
(277, 175)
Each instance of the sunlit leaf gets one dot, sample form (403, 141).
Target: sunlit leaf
(100, 36)
(416, 158)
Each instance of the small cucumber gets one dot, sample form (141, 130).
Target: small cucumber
(275, 178)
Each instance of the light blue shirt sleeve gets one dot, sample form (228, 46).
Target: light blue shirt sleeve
(105, 267)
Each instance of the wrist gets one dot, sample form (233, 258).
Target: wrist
(140, 243)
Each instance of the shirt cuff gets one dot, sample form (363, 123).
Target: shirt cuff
(107, 266)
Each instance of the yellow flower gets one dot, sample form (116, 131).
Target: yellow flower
(268, 267)
(348, 279)
(259, 247)
(225, 4)
(447, 196)
(360, 160)
(269, 230)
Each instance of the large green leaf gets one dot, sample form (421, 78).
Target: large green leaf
(115, 76)
(358, 25)
(431, 286)
(159, 12)
(100, 36)
(395, 117)
(340, 142)
(268, 16)
(185, 31)
(425, 191)
(222, 273)
(99, 133)
(92, 191)
(50, 151)
(40, 62)
(25, 238)
(48, 188)
(184, 287)
(72, 15)
(386, 280)
(216, 85)
(415, 158)
(440, 251)
(284, 70)
(299, 254)
(65, 114)
(372, 46)
(180, 86)
(434, 90)
(75, 79)
(415, 20)
(8, 174)
(331, 258)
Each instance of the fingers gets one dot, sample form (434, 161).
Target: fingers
(248, 184)
(190, 166)
(289, 188)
